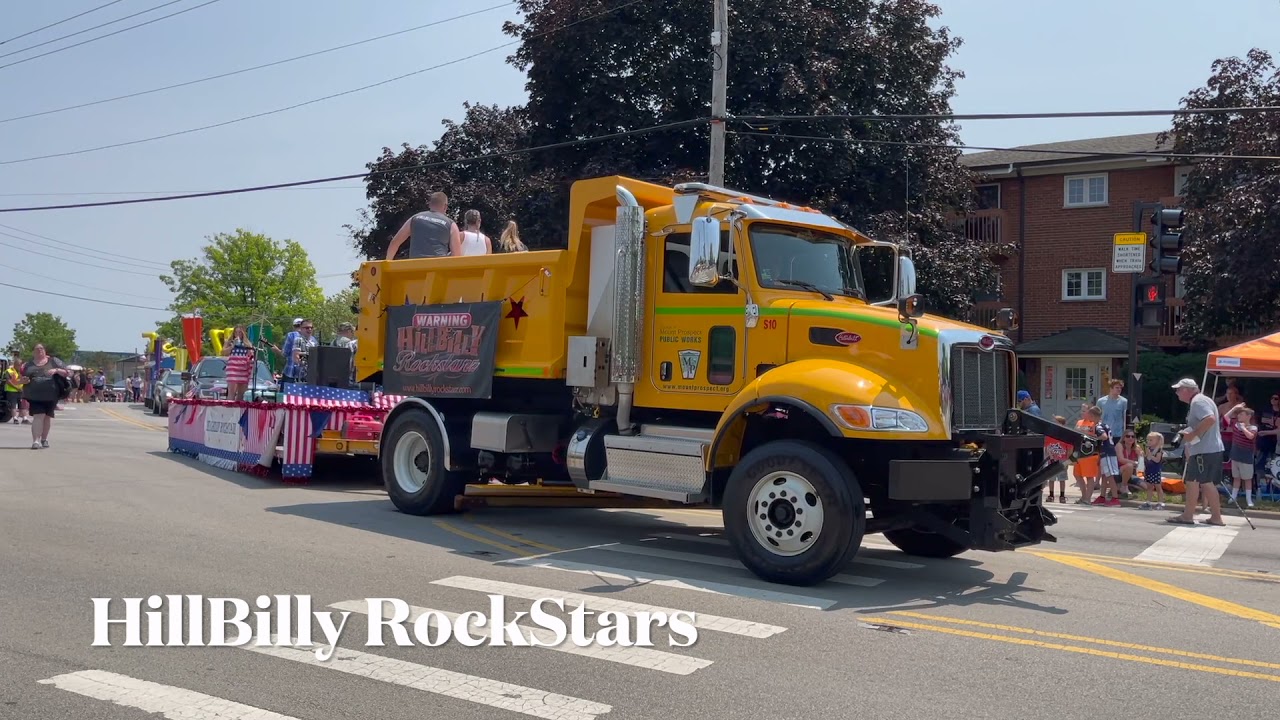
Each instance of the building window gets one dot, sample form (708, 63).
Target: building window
(988, 196)
(1076, 383)
(1180, 174)
(1086, 190)
(1090, 284)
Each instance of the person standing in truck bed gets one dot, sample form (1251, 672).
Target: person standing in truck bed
(430, 233)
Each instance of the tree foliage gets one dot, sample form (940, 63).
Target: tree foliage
(1233, 218)
(647, 64)
(335, 310)
(242, 278)
(58, 338)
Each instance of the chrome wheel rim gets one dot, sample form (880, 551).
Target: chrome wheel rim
(785, 513)
(412, 454)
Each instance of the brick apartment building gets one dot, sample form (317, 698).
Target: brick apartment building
(1059, 210)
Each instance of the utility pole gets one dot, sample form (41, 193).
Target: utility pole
(719, 90)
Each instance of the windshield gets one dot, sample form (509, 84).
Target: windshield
(173, 379)
(792, 257)
(212, 368)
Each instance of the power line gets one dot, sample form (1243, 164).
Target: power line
(251, 69)
(55, 24)
(159, 192)
(1021, 115)
(1078, 152)
(153, 274)
(83, 286)
(361, 175)
(77, 297)
(313, 101)
(155, 270)
(81, 247)
(101, 37)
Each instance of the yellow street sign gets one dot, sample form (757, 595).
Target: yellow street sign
(1131, 238)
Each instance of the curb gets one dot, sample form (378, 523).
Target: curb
(1227, 509)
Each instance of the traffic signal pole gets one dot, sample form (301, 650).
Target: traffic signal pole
(1134, 381)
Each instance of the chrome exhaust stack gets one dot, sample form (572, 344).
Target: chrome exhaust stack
(628, 305)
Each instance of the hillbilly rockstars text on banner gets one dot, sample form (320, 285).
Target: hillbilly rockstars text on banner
(442, 350)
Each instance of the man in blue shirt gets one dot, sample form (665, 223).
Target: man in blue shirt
(1028, 405)
(1115, 408)
(294, 342)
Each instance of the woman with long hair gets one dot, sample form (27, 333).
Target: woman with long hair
(474, 242)
(510, 241)
(43, 391)
(1129, 453)
(240, 363)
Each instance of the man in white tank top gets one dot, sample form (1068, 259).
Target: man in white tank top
(474, 242)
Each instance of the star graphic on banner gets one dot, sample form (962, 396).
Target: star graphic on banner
(517, 311)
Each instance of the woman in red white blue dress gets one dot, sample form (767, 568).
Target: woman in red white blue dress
(240, 363)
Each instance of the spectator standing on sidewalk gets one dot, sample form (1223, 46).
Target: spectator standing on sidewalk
(1061, 452)
(1028, 405)
(1109, 465)
(13, 383)
(1153, 477)
(1202, 449)
(1268, 430)
(1087, 468)
(1244, 436)
(1115, 413)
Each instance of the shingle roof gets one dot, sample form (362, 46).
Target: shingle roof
(1068, 151)
(1077, 341)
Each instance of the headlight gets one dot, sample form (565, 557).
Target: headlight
(168, 393)
(870, 417)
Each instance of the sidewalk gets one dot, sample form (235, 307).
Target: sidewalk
(1136, 499)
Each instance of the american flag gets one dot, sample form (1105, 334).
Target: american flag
(324, 397)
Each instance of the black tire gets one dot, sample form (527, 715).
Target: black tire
(923, 544)
(843, 510)
(440, 487)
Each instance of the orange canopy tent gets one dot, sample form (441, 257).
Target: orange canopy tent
(1255, 358)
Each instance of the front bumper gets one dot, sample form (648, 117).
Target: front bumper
(986, 494)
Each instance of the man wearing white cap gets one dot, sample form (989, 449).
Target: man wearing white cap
(1202, 452)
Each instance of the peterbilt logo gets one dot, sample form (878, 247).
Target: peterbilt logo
(848, 338)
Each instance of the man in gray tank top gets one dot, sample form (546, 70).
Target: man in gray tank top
(430, 233)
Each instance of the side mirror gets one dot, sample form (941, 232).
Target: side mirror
(186, 377)
(704, 253)
(906, 277)
(910, 307)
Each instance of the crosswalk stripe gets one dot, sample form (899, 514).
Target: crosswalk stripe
(715, 540)
(472, 688)
(673, 581)
(174, 702)
(842, 578)
(637, 656)
(702, 621)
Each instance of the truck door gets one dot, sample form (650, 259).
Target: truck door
(697, 341)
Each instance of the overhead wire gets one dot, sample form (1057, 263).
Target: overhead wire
(313, 101)
(263, 66)
(1251, 109)
(77, 297)
(101, 37)
(63, 20)
(360, 175)
(157, 192)
(79, 252)
(1080, 152)
(154, 273)
(74, 245)
(20, 271)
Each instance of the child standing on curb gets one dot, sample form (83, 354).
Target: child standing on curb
(1087, 468)
(1109, 464)
(1057, 450)
(1244, 438)
(1154, 462)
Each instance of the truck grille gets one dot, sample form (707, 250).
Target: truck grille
(979, 387)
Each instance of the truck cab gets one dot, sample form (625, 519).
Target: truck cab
(701, 346)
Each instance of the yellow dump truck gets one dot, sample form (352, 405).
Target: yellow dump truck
(701, 346)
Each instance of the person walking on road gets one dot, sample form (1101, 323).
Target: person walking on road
(1202, 450)
(43, 392)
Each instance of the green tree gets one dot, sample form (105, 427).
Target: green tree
(643, 65)
(48, 329)
(1232, 259)
(335, 310)
(242, 278)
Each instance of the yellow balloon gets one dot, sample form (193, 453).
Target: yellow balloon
(169, 348)
(150, 335)
(215, 339)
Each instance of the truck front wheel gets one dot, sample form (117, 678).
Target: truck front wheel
(923, 543)
(793, 512)
(412, 457)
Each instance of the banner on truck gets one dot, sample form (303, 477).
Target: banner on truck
(441, 350)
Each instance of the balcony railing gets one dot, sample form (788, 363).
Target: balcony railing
(1170, 334)
(984, 226)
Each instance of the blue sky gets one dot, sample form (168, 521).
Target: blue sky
(1018, 55)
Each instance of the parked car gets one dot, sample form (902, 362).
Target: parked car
(208, 379)
(168, 387)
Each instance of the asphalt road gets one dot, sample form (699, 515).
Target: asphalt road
(1125, 616)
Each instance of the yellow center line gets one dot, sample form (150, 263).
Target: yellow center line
(514, 538)
(1213, 603)
(482, 540)
(1082, 638)
(1157, 565)
(1076, 649)
(131, 421)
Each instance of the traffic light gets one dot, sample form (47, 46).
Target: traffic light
(1149, 302)
(1151, 293)
(1167, 242)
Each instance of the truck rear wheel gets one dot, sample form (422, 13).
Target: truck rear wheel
(793, 512)
(412, 457)
(923, 543)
